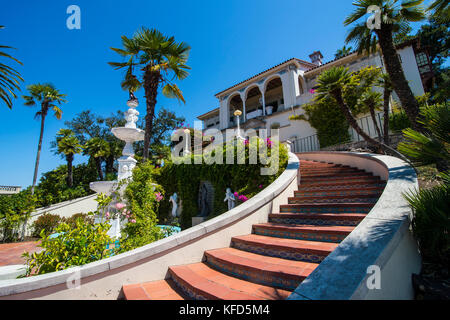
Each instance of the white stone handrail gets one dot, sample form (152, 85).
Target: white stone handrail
(104, 279)
(381, 246)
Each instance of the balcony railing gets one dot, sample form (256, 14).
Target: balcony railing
(10, 189)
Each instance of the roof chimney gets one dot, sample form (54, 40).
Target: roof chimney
(316, 58)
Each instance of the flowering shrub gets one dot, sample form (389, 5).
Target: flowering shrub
(47, 223)
(143, 198)
(72, 247)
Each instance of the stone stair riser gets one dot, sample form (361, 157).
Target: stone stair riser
(330, 209)
(298, 200)
(276, 280)
(315, 221)
(299, 235)
(296, 255)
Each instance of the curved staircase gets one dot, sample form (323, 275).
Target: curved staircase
(272, 261)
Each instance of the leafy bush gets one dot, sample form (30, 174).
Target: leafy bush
(185, 179)
(73, 247)
(46, 223)
(431, 221)
(72, 221)
(329, 121)
(53, 187)
(399, 121)
(14, 211)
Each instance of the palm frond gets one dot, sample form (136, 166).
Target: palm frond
(172, 91)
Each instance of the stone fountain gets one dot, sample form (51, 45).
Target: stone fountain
(130, 134)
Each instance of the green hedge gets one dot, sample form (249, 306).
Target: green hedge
(185, 179)
(329, 121)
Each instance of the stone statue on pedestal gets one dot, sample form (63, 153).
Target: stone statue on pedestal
(174, 199)
(203, 202)
(230, 198)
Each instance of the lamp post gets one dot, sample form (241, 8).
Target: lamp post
(237, 114)
(186, 146)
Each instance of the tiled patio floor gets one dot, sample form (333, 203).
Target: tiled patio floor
(10, 253)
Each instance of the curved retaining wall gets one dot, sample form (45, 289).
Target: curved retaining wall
(65, 209)
(383, 239)
(104, 279)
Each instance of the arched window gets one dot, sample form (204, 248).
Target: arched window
(300, 85)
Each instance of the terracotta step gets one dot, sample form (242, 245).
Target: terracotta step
(299, 250)
(270, 271)
(313, 170)
(303, 232)
(320, 165)
(369, 191)
(346, 207)
(332, 175)
(344, 176)
(342, 186)
(339, 182)
(201, 282)
(321, 219)
(155, 290)
(333, 199)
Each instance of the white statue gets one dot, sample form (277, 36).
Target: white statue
(230, 198)
(174, 198)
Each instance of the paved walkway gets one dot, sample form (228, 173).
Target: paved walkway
(11, 253)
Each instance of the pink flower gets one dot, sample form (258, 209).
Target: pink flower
(120, 205)
(133, 221)
(243, 198)
(260, 186)
(107, 215)
(246, 142)
(236, 194)
(312, 91)
(159, 197)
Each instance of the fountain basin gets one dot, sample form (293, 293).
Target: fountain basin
(106, 187)
(128, 134)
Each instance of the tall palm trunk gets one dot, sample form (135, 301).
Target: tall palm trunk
(375, 123)
(386, 99)
(398, 79)
(98, 165)
(151, 83)
(38, 156)
(69, 159)
(110, 164)
(337, 95)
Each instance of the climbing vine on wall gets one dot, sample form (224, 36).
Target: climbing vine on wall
(185, 179)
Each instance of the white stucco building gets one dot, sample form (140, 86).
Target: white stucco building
(270, 97)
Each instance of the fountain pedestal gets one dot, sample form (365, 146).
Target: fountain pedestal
(130, 134)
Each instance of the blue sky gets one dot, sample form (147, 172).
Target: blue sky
(231, 41)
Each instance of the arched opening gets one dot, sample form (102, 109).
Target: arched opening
(235, 104)
(301, 88)
(274, 96)
(254, 103)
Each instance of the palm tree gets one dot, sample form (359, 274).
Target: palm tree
(433, 146)
(385, 82)
(9, 78)
(161, 60)
(344, 51)
(332, 83)
(97, 149)
(394, 19)
(372, 100)
(68, 145)
(441, 10)
(48, 96)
